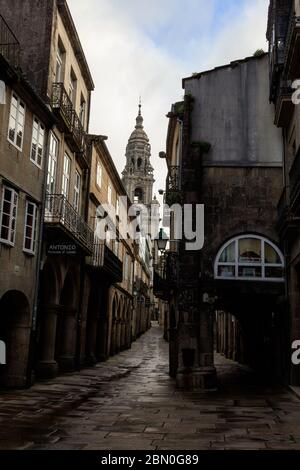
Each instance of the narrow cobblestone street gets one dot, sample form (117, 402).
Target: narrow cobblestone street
(129, 402)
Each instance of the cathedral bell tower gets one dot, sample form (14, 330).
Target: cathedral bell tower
(138, 173)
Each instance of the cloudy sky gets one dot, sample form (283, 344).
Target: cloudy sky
(139, 47)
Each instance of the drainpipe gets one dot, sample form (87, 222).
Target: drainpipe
(32, 342)
(82, 262)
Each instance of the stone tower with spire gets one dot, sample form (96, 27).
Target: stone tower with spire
(138, 173)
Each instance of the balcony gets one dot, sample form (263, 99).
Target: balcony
(9, 45)
(61, 216)
(284, 106)
(70, 122)
(112, 265)
(292, 49)
(97, 259)
(173, 193)
(172, 269)
(160, 287)
(294, 176)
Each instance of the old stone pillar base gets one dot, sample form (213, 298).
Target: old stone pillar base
(66, 363)
(202, 379)
(13, 381)
(47, 370)
(90, 360)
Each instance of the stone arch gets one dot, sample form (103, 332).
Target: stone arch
(139, 193)
(15, 327)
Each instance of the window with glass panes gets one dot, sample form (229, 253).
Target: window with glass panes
(66, 176)
(250, 257)
(8, 216)
(16, 121)
(99, 175)
(109, 194)
(30, 227)
(52, 164)
(77, 190)
(37, 142)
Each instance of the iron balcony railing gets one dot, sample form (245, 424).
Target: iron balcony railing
(59, 211)
(282, 208)
(173, 179)
(294, 176)
(9, 44)
(97, 258)
(294, 24)
(62, 102)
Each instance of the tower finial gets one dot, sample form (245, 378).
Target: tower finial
(140, 106)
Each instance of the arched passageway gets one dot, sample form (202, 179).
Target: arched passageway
(15, 327)
(251, 325)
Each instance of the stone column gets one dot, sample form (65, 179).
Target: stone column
(47, 366)
(66, 359)
(15, 372)
(91, 340)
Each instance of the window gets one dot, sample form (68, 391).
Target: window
(59, 65)
(66, 176)
(82, 111)
(99, 175)
(72, 87)
(37, 142)
(77, 191)
(16, 121)
(30, 227)
(109, 194)
(125, 270)
(52, 164)
(8, 215)
(117, 207)
(250, 257)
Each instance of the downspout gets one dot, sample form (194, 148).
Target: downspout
(32, 343)
(287, 259)
(82, 265)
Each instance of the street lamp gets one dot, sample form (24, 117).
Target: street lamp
(161, 241)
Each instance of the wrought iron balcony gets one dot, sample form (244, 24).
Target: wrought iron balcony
(294, 176)
(9, 44)
(173, 179)
(72, 125)
(112, 265)
(172, 269)
(291, 59)
(61, 214)
(97, 258)
(284, 105)
(173, 193)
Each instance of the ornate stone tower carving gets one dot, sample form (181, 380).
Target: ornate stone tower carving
(138, 173)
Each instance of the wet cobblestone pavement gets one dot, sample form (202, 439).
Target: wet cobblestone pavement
(129, 402)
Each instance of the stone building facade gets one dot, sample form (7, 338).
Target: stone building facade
(70, 298)
(228, 156)
(25, 121)
(283, 34)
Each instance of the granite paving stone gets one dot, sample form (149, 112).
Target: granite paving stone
(130, 403)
